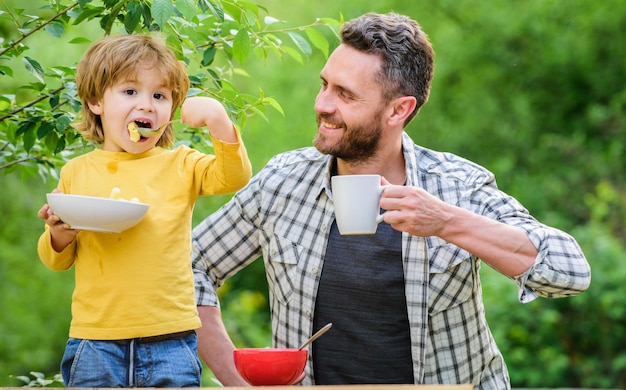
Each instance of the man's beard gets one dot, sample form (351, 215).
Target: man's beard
(357, 144)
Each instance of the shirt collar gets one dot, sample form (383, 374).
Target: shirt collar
(410, 160)
(330, 170)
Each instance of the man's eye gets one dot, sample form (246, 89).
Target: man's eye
(345, 96)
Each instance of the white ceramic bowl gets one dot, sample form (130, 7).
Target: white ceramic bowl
(97, 214)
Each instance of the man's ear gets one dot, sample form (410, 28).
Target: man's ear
(401, 108)
(95, 107)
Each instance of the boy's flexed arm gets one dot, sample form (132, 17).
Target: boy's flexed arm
(199, 111)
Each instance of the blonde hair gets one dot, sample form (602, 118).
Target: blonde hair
(117, 58)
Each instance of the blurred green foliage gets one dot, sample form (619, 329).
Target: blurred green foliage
(38, 379)
(572, 342)
(533, 90)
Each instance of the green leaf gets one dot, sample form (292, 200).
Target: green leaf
(56, 29)
(133, 16)
(146, 14)
(258, 111)
(272, 42)
(240, 72)
(29, 140)
(5, 102)
(162, 10)
(45, 129)
(105, 23)
(60, 145)
(208, 56)
(88, 14)
(34, 86)
(318, 40)
(63, 122)
(64, 70)
(216, 9)
(294, 54)
(301, 43)
(197, 79)
(51, 140)
(234, 11)
(24, 128)
(194, 92)
(54, 100)
(217, 80)
(274, 103)
(241, 45)
(176, 46)
(247, 5)
(79, 40)
(187, 8)
(23, 378)
(6, 70)
(34, 68)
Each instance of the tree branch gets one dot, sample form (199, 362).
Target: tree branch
(16, 162)
(32, 103)
(23, 37)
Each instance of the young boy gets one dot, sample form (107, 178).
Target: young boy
(133, 307)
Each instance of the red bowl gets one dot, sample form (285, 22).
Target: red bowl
(271, 366)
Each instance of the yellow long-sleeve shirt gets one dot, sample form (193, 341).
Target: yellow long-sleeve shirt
(139, 283)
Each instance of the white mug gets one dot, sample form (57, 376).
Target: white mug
(357, 199)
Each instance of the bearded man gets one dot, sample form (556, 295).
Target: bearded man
(406, 302)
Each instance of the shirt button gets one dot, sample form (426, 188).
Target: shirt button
(308, 314)
(323, 227)
(273, 252)
(314, 270)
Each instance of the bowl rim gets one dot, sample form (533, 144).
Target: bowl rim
(66, 212)
(91, 197)
(270, 349)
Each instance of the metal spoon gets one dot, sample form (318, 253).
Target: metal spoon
(316, 335)
(147, 132)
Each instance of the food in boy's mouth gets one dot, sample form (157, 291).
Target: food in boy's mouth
(115, 194)
(133, 129)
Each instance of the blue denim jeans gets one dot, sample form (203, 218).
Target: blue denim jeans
(131, 363)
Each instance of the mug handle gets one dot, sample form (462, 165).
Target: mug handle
(381, 189)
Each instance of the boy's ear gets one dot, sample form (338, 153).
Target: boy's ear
(95, 107)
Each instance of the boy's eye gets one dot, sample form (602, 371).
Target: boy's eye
(158, 96)
(129, 91)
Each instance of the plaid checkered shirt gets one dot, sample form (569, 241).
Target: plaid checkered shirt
(285, 212)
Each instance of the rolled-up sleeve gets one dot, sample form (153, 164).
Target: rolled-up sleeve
(560, 269)
(205, 290)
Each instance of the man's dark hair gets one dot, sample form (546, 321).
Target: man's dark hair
(407, 55)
